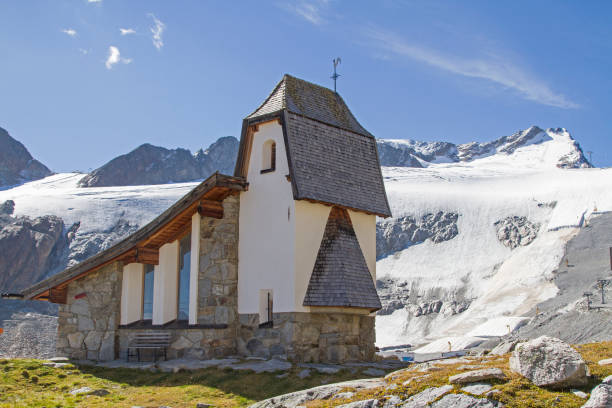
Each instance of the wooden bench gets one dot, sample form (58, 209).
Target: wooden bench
(149, 341)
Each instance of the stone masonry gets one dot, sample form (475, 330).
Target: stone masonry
(87, 325)
(309, 337)
(218, 277)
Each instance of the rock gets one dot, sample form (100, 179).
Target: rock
(148, 164)
(477, 375)
(477, 388)
(425, 397)
(18, 165)
(323, 368)
(516, 231)
(607, 361)
(322, 392)
(371, 403)
(59, 359)
(269, 366)
(392, 401)
(82, 390)
(400, 233)
(580, 394)
(7, 207)
(201, 405)
(547, 361)
(504, 347)
(374, 372)
(29, 249)
(344, 395)
(464, 401)
(99, 393)
(601, 397)
(304, 373)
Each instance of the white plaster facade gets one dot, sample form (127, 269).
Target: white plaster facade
(280, 237)
(266, 246)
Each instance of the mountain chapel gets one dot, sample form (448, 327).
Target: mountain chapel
(277, 260)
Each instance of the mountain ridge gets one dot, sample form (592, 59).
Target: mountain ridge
(16, 163)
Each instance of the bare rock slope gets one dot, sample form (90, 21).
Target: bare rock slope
(17, 164)
(148, 164)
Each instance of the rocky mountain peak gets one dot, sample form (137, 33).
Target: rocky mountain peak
(17, 164)
(149, 164)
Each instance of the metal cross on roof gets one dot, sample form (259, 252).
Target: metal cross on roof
(336, 61)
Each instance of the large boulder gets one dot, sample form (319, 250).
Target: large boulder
(465, 401)
(477, 375)
(601, 397)
(548, 361)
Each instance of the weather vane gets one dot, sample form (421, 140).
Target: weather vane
(336, 61)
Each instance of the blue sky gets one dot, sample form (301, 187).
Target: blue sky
(78, 91)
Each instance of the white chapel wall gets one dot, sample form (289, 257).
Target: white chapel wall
(310, 221)
(365, 229)
(266, 225)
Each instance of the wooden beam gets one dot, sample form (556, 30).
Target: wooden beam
(58, 295)
(210, 208)
(149, 256)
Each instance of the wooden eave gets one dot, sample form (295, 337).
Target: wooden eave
(143, 245)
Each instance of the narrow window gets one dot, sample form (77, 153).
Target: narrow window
(268, 156)
(184, 272)
(147, 293)
(266, 307)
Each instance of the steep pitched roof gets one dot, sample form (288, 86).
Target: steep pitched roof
(312, 101)
(332, 158)
(340, 277)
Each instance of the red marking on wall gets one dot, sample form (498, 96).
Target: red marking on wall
(80, 295)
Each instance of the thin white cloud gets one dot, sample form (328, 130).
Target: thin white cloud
(114, 57)
(84, 51)
(310, 10)
(157, 30)
(94, 1)
(495, 69)
(70, 32)
(127, 31)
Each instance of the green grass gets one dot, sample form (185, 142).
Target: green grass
(129, 387)
(27, 383)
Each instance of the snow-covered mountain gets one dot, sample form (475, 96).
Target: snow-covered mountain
(411, 153)
(477, 233)
(474, 244)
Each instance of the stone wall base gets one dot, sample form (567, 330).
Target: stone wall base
(309, 337)
(199, 344)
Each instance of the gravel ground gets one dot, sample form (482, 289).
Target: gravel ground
(28, 335)
(565, 316)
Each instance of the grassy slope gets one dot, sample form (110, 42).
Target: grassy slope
(515, 392)
(27, 383)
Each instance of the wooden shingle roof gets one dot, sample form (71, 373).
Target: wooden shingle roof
(340, 277)
(332, 158)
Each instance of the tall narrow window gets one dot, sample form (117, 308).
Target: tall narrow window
(184, 272)
(268, 156)
(147, 293)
